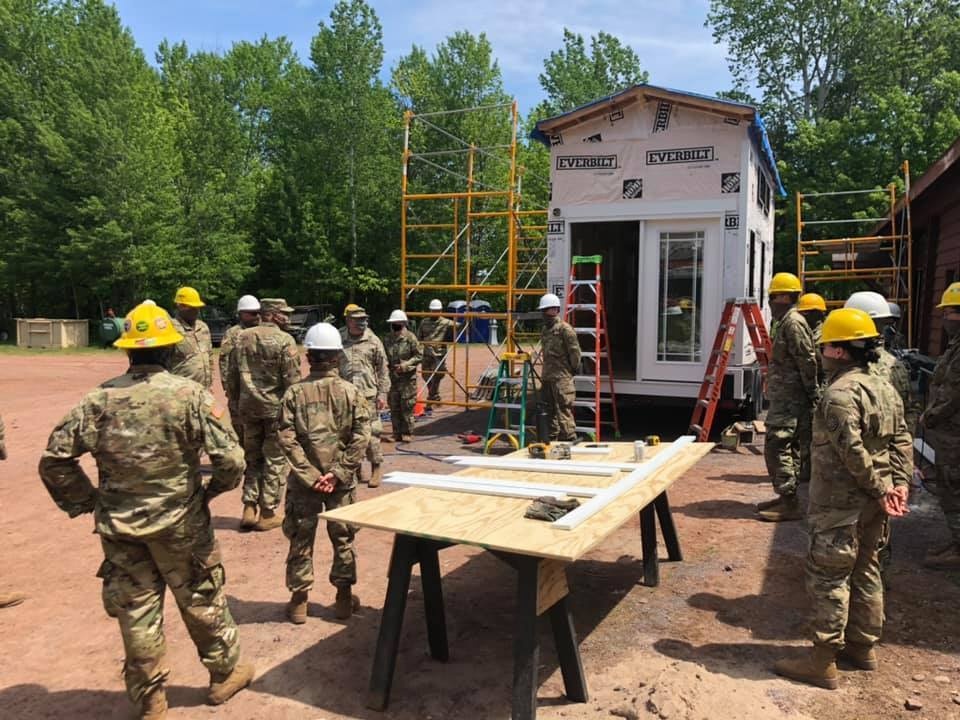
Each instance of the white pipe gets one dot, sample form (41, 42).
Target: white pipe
(449, 483)
(597, 503)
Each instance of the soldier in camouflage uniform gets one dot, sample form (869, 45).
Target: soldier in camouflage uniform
(324, 431)
(248, 313)
(146, 430)
(363, 362)
(941, 419)
(7, 599)
(560, 352)
(193, 356)
(813, 309)
(404, 354)
(268, 363)
(862, 465)
(433, 332)
(793, 391)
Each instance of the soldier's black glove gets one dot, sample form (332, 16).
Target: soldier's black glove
(550, 508)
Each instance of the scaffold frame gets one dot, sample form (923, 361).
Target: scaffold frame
(442, 228)
(878, 260)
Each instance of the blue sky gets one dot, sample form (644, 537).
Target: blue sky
(670, 37)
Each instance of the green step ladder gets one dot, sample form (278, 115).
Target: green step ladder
(509, 396)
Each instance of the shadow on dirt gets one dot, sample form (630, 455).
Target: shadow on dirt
(480, 638)
(36, 701)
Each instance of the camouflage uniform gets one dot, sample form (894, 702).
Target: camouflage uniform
(193, 356)
(364, 364)
(793, 391)
(861, 449)
(146, 430)
(324, 427)
(3, 442)
(942, 421)
(267, 363)
(804, 434)
(898, 375)
(432, 333)
(403, 355)
(228, 378)
(560, 350)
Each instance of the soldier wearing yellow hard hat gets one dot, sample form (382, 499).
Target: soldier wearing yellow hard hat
(793, 389)
(147, 429)
(941, 419)
(193, 356)
(862, 465)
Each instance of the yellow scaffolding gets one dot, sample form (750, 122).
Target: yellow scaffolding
(465, 235)
(881, 260)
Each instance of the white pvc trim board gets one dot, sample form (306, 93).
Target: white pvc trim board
(597, 503)
(485, 486)
(566, 467)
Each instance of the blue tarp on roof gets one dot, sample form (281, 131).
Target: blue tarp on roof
(758, 131)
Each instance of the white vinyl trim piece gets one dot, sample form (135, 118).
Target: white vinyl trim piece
(565, 467)
(597, 503)
(482, 486)
(583, 450)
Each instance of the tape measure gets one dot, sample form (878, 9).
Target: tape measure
(652, 439)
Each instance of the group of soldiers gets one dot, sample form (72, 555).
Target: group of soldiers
(842, 417)
(148, 429)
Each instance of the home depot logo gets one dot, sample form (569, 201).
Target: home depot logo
(587, 162)
(681, 155)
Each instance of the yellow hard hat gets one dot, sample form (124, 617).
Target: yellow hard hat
(784, 282)
(355, 311)
(189, 297)
(847, 324)
(951, 296)
(811, 301)
(147, 326)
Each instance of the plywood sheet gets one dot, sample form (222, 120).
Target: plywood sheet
(497, 523)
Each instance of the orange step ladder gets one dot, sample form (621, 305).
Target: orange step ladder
(712, 385)
(586, 312)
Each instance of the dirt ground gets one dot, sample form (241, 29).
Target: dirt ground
(699, 647)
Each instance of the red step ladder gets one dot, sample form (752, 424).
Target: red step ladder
(712, 385)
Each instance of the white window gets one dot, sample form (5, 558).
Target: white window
(680, 296)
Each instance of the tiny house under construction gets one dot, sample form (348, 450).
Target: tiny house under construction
(675, 190)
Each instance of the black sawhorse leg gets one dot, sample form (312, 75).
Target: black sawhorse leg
(658, 510)
(407, 552)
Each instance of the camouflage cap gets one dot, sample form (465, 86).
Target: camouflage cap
(354, 311)
(274, 305)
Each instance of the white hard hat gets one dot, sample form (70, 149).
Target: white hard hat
(873, 304)
(323, 336)
(548, 301)
(894, 310)
(397, 316)
(148, 301)
(436, 304)
(248, 303)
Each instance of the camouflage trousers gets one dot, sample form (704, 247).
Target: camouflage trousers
(236, 421)
(843, 580)
(402, 398)
(374, 453)
(559, 396)
(136, 574)
(786, 449)
(266, 473)
(948, 484)
(300, 526)
(433, 370)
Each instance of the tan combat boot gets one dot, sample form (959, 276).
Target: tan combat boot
(818, 667)
(249, 518)
(11, 599)
(862, 657)
(222, 688)
(767, 504)
(376, 476)
(154, 705)
(788, 508)
(948, 560)
(269, 519)
(347, 603)
(297, 607)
